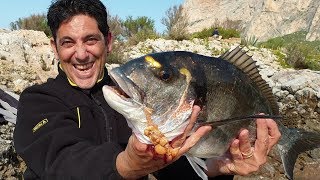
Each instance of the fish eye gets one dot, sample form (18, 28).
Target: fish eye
(165, 75)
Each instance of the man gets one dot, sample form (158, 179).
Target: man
(65, 129)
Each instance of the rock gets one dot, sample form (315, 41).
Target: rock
(25, 58)
(11, 166)
(307, 96)
(262, 19)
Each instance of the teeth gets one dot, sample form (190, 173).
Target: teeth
(83, 67)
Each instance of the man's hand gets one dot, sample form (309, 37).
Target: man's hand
(243, 159)
(138, 160)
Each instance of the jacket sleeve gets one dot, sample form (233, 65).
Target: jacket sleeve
(49, 140)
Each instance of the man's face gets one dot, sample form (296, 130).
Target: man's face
(82, 49)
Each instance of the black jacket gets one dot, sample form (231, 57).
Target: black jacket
(64, 132)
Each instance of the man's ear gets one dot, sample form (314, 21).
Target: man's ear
(54, 48)
(109, 42)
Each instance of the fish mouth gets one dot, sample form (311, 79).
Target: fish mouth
(124, 87)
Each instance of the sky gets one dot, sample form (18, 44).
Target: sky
(12, 10)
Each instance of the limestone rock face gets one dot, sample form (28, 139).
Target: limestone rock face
(260, 18)
(25, 59)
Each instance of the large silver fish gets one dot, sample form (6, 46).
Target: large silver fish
(156, 92)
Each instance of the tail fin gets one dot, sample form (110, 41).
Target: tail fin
(294, 142)
(8, 106)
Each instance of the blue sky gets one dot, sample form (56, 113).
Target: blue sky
(12, 10)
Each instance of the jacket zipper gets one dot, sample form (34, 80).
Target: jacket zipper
(108, 127)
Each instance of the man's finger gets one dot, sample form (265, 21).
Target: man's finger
(262, 142)
(193, 119)
(138, 146)
(177, 141)
(194, 138)
(244, 142)
(273, 132)
(235, 150)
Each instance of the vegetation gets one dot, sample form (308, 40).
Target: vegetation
(281, 58)
(274, 43)
(116, 56)
(203, 34)
(139, 29)
(36, 22)
(229, 33)
(227, 29)
(129, 32)
(176, 23)
(224, 33)
(115, 27)
(300, 54)
(249, 41)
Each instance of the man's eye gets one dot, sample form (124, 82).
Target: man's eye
(67, 43)
(91, 41)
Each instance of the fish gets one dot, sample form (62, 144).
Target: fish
(156, 93)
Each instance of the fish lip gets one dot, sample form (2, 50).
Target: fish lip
(126, 85)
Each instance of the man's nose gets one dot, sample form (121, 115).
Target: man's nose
(81, 52)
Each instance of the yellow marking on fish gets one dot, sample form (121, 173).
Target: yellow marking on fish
(152, 62)
(39, 125)
(187, 73)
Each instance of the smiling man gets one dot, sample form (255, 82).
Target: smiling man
(66, 130)
(82, 50)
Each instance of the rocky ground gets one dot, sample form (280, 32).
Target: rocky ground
(26, 59)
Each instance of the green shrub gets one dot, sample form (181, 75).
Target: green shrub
(116, 56)
(115, 26)
(37, 22)
(216, 52)
(139, 29)
(302, 56)
(275, 43)
(281, 57)
(296, 56)
(249, 41)
(205, 33)
(142, 35)
(229, 33)
(225, 33)
(176, 23)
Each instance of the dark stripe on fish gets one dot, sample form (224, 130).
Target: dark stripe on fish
(235, 119)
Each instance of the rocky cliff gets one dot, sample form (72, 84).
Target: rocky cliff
(260, 18)
(26, 59)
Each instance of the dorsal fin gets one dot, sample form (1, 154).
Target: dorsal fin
(239, 58)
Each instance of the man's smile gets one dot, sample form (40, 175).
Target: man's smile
(84, 70)
(84, 67)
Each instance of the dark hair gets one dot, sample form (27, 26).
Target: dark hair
(62, 10)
